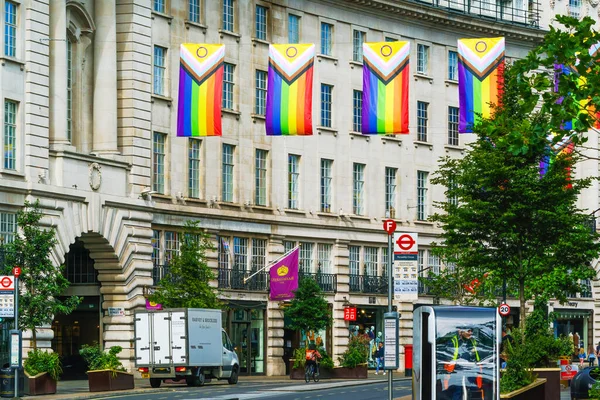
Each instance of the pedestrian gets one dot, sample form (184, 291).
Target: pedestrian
(581, 357)
(379, 359)
(591, 356)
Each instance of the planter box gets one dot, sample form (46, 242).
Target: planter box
(106, 379)
(298, 374)
(535, 390)
(552, 376)
(39, 384)
(358, 372)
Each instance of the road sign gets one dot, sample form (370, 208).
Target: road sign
(504, 309)
(16, 271)
(6, 283)
(406, 246)
(389, 225)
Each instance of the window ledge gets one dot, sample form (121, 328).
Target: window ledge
(13, 173)
(168, 17)
(294, 211)
(258, 116)
(354, 134)
(262, 42)
(12, 60)
(450, 147)
(160, 97)
(231, 112)
(327, 57)
(421, 143)
(424, 223)
(391, 138)
(355, 64)
(450, 82)
(257, 207)
(223, 32)
(161, 196)
(326, 129)
(189, 23)
(419, 75)
(359, 217)
(327, 214)
(195, 200)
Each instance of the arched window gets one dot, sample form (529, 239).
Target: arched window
(79, 266)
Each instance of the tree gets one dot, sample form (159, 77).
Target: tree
(187, 281)
(308, 310)
(40, 281)
(502, 218)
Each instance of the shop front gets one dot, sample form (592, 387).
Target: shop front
(369, 322)
(245, 324)
(575, 323)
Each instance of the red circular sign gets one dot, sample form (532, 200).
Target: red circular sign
(389, 225)
(16, 271)
(504, 309)
(6, 282)
(405, 242)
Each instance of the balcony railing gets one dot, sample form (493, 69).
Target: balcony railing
(234, 279)
(327, 282)
(368, 284)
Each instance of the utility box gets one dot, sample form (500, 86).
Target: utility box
(456, 353)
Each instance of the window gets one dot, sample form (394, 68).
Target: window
(8, 227)
(69, 90)
(453, 126)
(171, 245)
(194, 11)
(155, 247)
(452, 199)
(228, 15)
(159, 6)
(228, 86)
(227, 173)
(293, 28)
(422, 195)
(433, 263)
(354, 262)
(324, 258)
(326, 94)
(293, 180)
(357, 111)
(452, 65)
(390, 39)
(240, 253)
(305, 258)
(358, 38)
(259, 254)
(358, 189)
(371, 261)
(10, 135)
(326, 38)
(261, 23)
(422, 121)
(158, 162)
(390, 191)
(159, 70)
(422, 59)
(384, 262)
(421, 263)
(10, 29)
(288, 246)
(194, 169)
(261, 93)
(575, 8)
(326, 177)
(260, 196)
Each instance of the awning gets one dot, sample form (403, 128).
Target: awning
(572, 313)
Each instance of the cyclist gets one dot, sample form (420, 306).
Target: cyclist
(312, 361)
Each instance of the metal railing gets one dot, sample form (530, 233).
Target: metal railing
(234, 279)
(368, 284)
(327, 282)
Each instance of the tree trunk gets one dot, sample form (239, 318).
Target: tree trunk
(34, 338)
(522, 303)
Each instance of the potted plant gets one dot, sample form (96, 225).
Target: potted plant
(353, 362)
(105, 371)
(42, 370)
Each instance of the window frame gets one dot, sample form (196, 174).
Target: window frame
(575, 7)
(263, 33)
(228, 86)
(8, 220)
(294, 181)
(228, 19)
(291, 39)
(453, 118)
(358, 38)
(162, 5)
(10, 136)
(452, 66)
(326, 105)
(260, 92)
(357, 110)
(194, 167)
(11, 29)
(422, 120)
(422, 189)
(422, 59)
(358, 188)
(227, 172)
(159, 162)
(159, 71)
(195, 11)
(260, 177)
(391, 187)
(326, 38)
(326, 187)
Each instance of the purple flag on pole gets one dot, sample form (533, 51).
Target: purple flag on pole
(284, 276)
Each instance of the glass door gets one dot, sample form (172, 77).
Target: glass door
(240, 333)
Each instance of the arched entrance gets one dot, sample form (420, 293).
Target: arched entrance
(83, 325)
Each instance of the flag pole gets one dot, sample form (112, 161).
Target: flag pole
(271, 264)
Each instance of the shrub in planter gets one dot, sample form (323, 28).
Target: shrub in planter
(39, 361)
(97, 359)
(299, 358)
(105, 371)
(356, 353)
(519, 367)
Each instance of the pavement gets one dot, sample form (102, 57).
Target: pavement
(78, 389)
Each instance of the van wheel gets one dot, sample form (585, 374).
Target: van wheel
(233, 379)
(195, 380)
(155, 382)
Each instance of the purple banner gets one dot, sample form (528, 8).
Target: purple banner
(150, 305)
(284, 276)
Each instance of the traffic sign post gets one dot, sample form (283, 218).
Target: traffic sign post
(504, 309)
(389, 225)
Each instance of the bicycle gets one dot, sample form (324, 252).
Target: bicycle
(311, 369)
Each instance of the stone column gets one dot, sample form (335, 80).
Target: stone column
(105, 79)
(58, 74)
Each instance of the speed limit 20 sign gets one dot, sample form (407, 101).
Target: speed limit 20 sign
(504, 309)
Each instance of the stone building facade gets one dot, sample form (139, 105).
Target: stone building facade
(90, 98)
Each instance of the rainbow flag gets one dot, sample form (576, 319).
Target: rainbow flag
(385, 87)
(289, 90)
(480, 78)
(200, 89)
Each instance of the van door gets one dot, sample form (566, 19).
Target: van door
(228, 355)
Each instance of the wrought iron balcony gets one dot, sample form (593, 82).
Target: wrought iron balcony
(368, 284)
(327, 282)
(234, 279)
